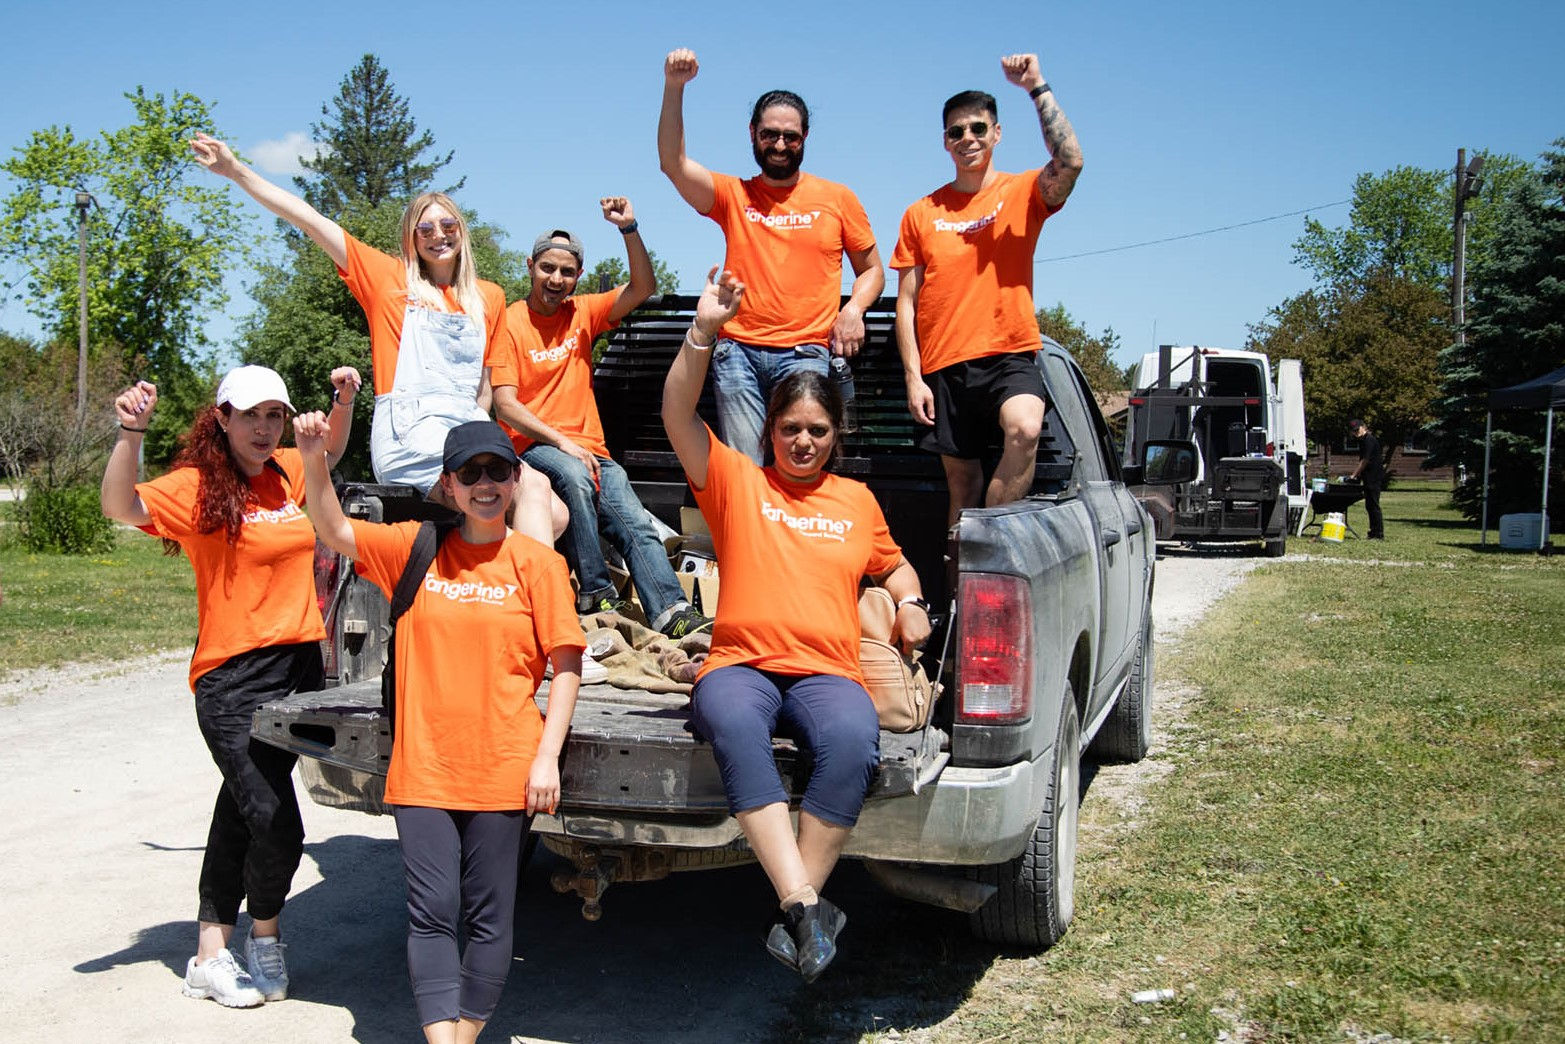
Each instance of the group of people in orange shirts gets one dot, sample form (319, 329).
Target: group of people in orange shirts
(473, 759)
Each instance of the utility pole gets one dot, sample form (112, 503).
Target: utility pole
(1469, 179)
(83, 201)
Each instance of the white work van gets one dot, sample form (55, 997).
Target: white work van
(1249, 430)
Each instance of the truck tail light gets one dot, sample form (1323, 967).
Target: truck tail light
(995, 670)
(327, 563)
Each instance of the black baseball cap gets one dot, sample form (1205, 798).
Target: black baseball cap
(466, 441)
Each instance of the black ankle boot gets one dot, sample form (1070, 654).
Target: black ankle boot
(806, 938)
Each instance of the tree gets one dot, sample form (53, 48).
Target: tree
(1516, 332)
(371, 149)
(159, 243)
(1095, 355)
(1367, 351)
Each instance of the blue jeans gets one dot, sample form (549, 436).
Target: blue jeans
(624, 521)
(742, 380)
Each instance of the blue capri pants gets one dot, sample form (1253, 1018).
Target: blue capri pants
(738, 709)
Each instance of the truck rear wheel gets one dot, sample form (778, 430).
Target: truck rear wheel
(1126, 735)
(1036, 891)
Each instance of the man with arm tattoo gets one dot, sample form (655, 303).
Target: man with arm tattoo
(966, 324)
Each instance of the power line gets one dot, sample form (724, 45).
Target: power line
(1191, 235)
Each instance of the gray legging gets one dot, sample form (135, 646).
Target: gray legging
(461, 868)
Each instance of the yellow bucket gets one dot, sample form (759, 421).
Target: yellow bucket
(1334, 527)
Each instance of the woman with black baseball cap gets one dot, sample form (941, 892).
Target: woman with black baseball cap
(473, 758)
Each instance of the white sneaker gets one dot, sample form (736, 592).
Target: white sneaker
(268, 971)
(221, 980)
(592, 671)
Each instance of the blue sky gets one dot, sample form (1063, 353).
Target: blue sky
(1191, 116)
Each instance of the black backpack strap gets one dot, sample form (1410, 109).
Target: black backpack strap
(425, 546)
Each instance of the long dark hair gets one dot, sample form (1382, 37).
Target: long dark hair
(804, 384)
(224, 490)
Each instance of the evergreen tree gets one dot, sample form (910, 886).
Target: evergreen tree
(371, 149)
(1516, 332)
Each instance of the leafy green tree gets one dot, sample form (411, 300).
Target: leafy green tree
(159, 243)
(371, 148)
(1516, 332)
(1367, 351)
(1095, 355)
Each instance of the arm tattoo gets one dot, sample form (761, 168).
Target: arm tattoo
(1059, 177)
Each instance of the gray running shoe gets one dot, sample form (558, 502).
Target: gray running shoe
(268, 970)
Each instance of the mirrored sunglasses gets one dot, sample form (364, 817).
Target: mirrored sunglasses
(497, 470)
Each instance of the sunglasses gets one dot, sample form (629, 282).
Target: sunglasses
(426, 229)
(497, 470)
(957, 131)
(767, 136)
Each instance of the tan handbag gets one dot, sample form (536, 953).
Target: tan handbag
(900, 689)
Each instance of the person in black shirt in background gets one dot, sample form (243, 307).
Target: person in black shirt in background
(1371, 471)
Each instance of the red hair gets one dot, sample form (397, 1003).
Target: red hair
(224, 490)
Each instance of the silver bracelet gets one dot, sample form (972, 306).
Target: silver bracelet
(693, 346)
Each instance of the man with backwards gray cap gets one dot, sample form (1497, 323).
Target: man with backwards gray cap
(545, 400)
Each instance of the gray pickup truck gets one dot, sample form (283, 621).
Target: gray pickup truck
(1044, 646)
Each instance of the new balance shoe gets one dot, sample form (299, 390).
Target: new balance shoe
(612, 604)
(685, 622)
(220, 978)
(268, 970)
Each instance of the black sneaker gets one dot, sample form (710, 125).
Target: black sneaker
(686, 622)
(611, 604)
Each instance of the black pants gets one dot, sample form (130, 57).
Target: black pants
(461, 872)
(257, 837)
(1377, 525)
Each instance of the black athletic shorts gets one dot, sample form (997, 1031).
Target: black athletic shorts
(968, 397)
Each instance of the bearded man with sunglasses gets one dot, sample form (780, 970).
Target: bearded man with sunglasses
(785, 233)
(966, 324)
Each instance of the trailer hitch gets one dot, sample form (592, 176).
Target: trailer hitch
(595, 869)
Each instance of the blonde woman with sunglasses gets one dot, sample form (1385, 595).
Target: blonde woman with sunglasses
(435, 329)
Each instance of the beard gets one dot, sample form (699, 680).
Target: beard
(778, 170)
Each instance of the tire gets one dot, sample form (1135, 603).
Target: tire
(1126, 734)
(1276, 548)
(1036, 891)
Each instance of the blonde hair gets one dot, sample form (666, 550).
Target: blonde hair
(464, 279)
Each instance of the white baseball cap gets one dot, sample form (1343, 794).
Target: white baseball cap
(248, 386)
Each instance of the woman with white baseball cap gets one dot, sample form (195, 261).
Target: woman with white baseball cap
(232, 502)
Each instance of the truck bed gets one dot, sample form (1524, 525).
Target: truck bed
(628, 750)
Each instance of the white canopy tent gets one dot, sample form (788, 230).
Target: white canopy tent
(1540, 393)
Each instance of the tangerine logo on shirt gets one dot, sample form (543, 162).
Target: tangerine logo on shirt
(816, 525)
(289, 512)
(468, 590)
(555, 354)
(974, 225)
(788, 220)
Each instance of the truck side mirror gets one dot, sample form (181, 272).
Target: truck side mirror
(1164, 463)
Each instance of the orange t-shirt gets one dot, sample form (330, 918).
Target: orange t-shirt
(470, 653)
(379, 282)
(258, 591)
(551, 367)
(786, 245)
(790, 559)
(977, 252)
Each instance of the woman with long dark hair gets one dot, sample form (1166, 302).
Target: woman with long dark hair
(793, 542)
(232, 502)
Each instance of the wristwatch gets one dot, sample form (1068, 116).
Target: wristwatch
(914, 600)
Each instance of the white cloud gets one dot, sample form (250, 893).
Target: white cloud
(282, 157)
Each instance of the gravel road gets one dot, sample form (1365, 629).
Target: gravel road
(107, 789)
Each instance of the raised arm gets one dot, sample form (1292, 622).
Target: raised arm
(920, 400)
(217, 157)
(693, 181)
(310, 433)
(687, 432)
(133, 409)
(1057, 179)
(618, 212)
(847, 333)
(345, 382)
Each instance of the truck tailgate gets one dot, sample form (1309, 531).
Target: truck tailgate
(628, 750)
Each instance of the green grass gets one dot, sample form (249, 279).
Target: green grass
(126, 603)
(1360, 828)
